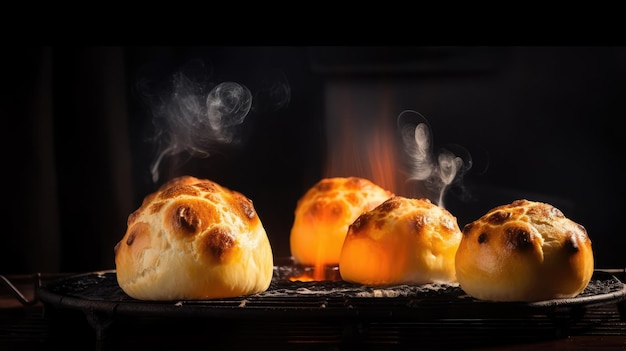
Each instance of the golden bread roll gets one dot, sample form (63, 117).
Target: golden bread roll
(524, 251)
(401, 241)
(194, 239)
(323, 214)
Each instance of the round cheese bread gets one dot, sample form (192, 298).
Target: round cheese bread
(401, 241)
(524, 251)
(323, 214)
(194, 239)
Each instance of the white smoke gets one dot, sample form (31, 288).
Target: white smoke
(196, 117)
(433, 171)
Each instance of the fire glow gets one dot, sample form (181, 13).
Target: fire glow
(395, 152)
(318, 272)
(402, 160)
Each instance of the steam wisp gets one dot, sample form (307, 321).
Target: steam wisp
(194, 121)
(435, 171)
(197, 117)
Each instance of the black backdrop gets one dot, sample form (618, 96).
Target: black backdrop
(78, 136)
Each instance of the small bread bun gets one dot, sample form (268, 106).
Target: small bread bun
(323, 214)
(194, 239)
(402, 241)
(525, 251)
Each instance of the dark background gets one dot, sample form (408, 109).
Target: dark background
(542, 123)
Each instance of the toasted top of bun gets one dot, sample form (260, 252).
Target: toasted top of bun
(403, 240)
(524, 251)
(193, 239)
(323, 214)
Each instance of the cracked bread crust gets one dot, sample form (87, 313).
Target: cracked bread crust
(524, 251)
(401, 241)
(193, 239)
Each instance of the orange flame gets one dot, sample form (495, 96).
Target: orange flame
(318, 272)
(364, 145)
(362, 142)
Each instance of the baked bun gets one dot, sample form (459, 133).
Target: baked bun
(524, 251)
(194, 239)
(401, 241)
(323, 214)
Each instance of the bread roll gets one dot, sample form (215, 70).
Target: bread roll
(194, 239)
(524, 251)
(402, 241)
(323, 214)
